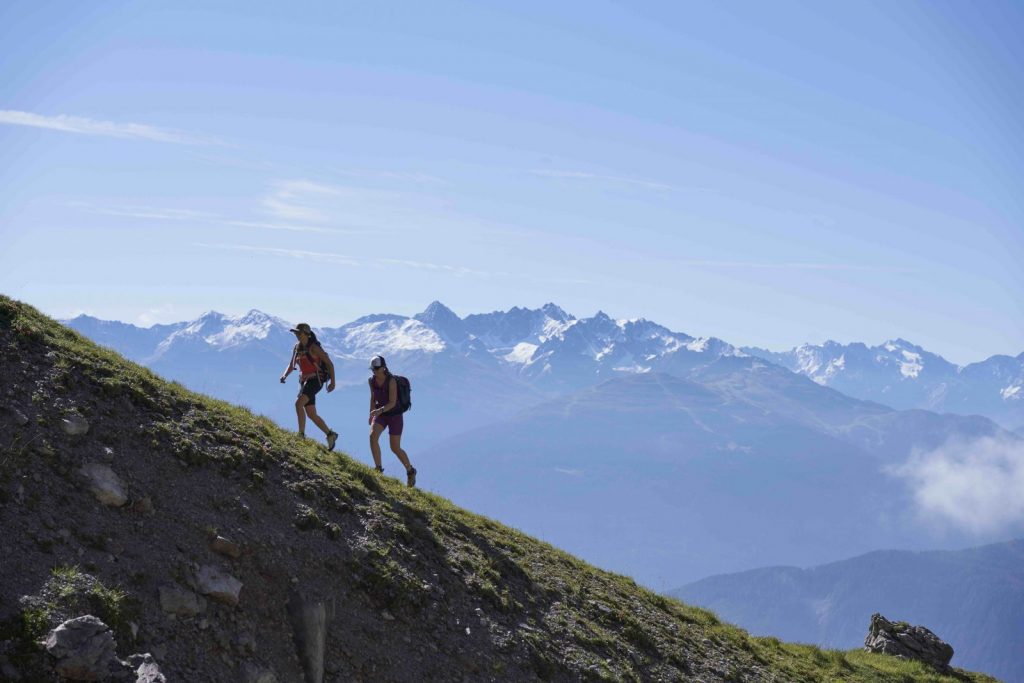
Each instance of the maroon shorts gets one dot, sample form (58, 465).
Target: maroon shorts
(393, 423)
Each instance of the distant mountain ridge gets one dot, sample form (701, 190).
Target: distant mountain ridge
(973, 598)
(518, 357)
(903, 375)
(553, 351)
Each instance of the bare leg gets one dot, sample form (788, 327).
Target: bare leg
(396, 448)
(317, 420)
(375, 432)
(300, 412)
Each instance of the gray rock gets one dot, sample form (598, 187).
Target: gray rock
(184, 603)
(105, 484)
(146, 669)
(309, 624)
(20, 418)
(218, 585)
(83, 648)
(907, 642)
(252, 673)
(226, 547)
(74, 425)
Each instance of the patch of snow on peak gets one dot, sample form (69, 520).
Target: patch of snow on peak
(233, 335)
(633, 369)
(911, 365)
(388, 336)
(521, 353)
(1012, 393)
(699, 345)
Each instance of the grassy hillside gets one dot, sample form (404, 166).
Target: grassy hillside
(412, 587)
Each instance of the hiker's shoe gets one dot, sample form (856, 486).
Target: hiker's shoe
(332, 438)
(379, 470)
(410, 476)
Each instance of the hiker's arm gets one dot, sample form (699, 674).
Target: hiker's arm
(322, 355)
(291, 366)
(371, 401)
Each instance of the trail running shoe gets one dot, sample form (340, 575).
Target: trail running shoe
(410, 475)
(332, 438)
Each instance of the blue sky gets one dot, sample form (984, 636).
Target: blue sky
(768, 173)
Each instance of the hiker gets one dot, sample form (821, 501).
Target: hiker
(314, 367)
(385, 413)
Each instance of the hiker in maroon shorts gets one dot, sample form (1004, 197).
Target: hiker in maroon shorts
(383, 399)
(314, 367)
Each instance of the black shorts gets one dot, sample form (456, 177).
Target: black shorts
(309, 388)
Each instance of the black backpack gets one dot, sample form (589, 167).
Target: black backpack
(404, 401)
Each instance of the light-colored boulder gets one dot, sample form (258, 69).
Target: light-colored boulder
(181, 602)
(218, 585)
(252, 673)
(83, 648)
(74, 425)
(146, 669)
(226, 547)
(105, 484)
(309, 626)
(902, 640)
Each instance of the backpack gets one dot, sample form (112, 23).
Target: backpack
(322, 371)
(403, 402)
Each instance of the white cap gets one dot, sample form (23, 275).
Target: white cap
(376, 362)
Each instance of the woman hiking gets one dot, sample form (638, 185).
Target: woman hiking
(383, 401)
(314, 367)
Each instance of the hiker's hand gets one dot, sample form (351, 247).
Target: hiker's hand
(283, 378)
(330, 387)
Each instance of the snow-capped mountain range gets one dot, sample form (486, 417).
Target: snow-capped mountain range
(467, 371)
(903, 375)
(548, 350)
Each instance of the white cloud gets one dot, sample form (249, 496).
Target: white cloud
(84, 126)
(157, 314)
(638, 182)
(314, 202)
(976, 485)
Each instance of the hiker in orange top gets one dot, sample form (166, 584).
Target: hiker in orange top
(386, 413)
(314, 367)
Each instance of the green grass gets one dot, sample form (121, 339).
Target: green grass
(605, 619)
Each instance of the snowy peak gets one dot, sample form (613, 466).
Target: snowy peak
(384, 335)
(555, 313)
(442, 319)
(517, 328)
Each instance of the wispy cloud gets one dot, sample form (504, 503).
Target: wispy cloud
(792, 266)
(973, 485)
(569, 471)
(344, 259)
(400, 176)
(188, 215)
(84, 126)
(621, 180)
(316, 202)
(420, 265)
(303, 254)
